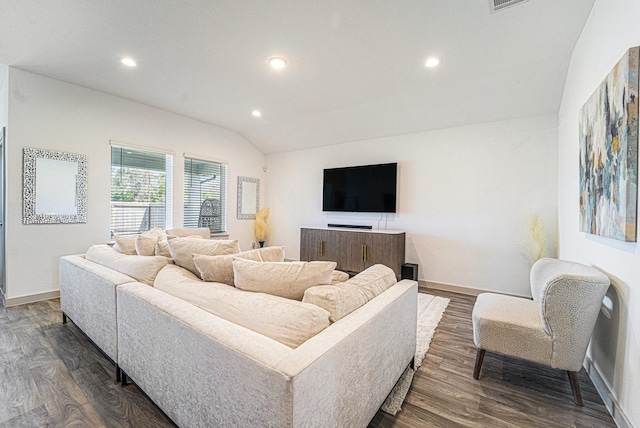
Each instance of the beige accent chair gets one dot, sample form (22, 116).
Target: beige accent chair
(552, 329)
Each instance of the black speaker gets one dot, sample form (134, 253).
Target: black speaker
(409, 271)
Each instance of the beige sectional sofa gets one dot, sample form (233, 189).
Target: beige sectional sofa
(211, 354)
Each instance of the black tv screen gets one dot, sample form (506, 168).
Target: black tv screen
(367, 189)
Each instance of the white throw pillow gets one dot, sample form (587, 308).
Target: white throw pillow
(162, 249)
(286, 279)
(183, 249)
(126, 244)
(146, 245)
(220, 268)
(339, 276)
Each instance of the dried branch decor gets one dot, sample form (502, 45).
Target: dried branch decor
(260, 224)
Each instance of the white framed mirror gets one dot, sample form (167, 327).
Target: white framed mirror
(248, 197)
(54, 187)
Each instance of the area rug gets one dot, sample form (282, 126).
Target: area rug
(430, 311)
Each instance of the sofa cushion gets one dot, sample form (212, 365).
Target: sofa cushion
(286, 279)
(182, 250)
(345, 297)
(220, 268)
(287, 321)
(142, 268)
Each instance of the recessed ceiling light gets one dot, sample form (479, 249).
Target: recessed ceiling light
(129, 62)
(256, 113)
(432, 62)
(277, 62)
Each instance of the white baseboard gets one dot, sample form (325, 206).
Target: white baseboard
(461, 289)
(609, 399)
(22, 300)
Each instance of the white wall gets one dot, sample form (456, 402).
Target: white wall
(50, 114)
(612, 28)
(464, 196)
(4, 94)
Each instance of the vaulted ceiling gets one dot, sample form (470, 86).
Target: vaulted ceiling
(355, 68)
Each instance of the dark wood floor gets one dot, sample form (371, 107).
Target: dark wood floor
(51, 375)
(509, 393)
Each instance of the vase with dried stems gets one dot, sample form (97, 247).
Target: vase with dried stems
(261, 225)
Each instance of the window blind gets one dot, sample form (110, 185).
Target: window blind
(205, 194)
(140, 190)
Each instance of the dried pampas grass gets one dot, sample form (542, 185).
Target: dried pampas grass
(260, 225)
(537, 244)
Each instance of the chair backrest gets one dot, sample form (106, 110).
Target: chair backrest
(570, 295)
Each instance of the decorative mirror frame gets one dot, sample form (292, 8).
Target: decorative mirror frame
(241, 214)
(29, 171)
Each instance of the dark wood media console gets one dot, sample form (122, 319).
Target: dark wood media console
(353, 250)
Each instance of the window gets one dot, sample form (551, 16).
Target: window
(140, 190)
(205, 194)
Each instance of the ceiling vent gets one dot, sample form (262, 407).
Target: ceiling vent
(496, 5)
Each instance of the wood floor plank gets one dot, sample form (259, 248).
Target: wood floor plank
(52, 375)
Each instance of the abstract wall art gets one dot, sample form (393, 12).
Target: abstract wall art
(609, 154)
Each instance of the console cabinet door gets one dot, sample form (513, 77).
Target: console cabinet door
(310, 244)
(318, 244)
(386, 249)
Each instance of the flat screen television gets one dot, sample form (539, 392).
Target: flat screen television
(366, 189)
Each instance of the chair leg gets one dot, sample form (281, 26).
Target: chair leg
(575, 387)
(478, 366)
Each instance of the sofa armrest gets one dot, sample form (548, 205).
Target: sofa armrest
(88, 297)
(352, 365)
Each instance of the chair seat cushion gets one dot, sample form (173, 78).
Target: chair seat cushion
(511, 326)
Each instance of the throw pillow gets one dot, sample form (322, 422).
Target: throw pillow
(126, 244)
(284, 279)
(220, 268)
(162, 249)
(183, 249)
(338, 277)
(146, 245)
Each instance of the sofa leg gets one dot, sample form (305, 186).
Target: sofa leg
(575, 387)
(123, 377)
(478, 366)
(118, 374)
(64, 318)
(413, 363)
